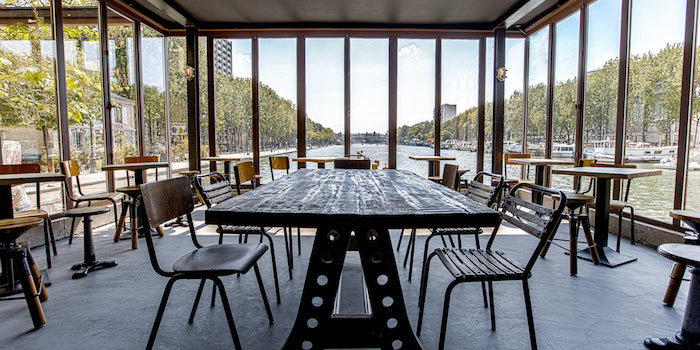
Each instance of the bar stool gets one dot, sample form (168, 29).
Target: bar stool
(10, 230)
(576, 202)
(89, 261)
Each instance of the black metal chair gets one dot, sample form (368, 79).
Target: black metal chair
(168, 199)
(485, 188)
(470, 265)
(214, 189)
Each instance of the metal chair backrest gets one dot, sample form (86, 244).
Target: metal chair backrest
(486, 188)
(450, 174)
(139, 159)
(24, 169)
(163, 201)
(71, 169)
(533, 218)
(244, 172)
(508, 156)
(216, 191)
(278, 163)
(351, 164)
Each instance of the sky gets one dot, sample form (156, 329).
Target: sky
(654, 24)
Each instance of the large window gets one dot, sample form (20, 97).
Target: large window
(152, 56)
(458, 110)
(369, 96)
(489, 75)
(537, 92)
(656, 49)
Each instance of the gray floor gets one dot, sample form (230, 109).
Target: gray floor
(602, 308)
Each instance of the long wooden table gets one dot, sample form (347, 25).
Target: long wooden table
(338, 202)
(604, 176)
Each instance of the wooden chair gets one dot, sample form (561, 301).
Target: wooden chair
(511, 181)
(71, 169)
(620, 205)
(245, 172)
(450, 176)
(278, 163)
(470, 265)
(214, 189)
(351, 164)
(38, 212)
(130, 205)
(168, 199)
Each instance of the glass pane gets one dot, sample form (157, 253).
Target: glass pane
(177, 85)
(537, 92)
(325, 100)
(152, 56)
(513, 114)
(278, 95)
(656, 49)
(488, 109)
(203, 76)
(234, 111)
(565, 90)
(28, 103)
(692, 202)
(369, 81)
(460, 88)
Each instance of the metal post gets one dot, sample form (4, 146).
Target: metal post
(193, 138)
(481, 109)
(301, 97)
(499, 60)
(393, 99)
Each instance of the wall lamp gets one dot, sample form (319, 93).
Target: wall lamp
(189, 73)
(501, 74)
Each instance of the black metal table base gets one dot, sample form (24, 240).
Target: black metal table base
(609, 257)
(86, 268)
(387, 327)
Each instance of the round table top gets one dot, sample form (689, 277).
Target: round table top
(684, 253)
(686, 215)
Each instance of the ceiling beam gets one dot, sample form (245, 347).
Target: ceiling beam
(522, 12)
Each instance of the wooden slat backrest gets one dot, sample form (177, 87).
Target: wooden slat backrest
(508, 156)
(213, 187)
(245, 171)
(20, 168)
(532, 218)
(449, 176)
(70, 168)
(485, 188)
(351, 164)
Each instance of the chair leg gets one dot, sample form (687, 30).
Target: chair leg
(274, 267)
(227, 310)
(674, 283)
(298, 240)
(287, 252)
(159, 315)
(589, 240)
(491, 306)
(408, 247)
(619, 231)
(121, 221)
(573, 245)
(51, 235)
(398, 246)
(196, 300)
(445, 312)
(413, 251)
(530, 320)
(422, 293)
(632, 240)
(263, 294)
(47, 243)
(459, 241)
(72, 230)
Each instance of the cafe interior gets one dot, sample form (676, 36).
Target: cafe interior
(552, 145)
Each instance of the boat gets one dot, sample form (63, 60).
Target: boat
(670, 163)
(562, 150)
(635, 152)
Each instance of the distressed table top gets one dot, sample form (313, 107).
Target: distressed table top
(356, 198)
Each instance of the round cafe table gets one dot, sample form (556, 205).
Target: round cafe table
(689, 335)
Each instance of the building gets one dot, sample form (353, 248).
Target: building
(223, 56)
(447, 112)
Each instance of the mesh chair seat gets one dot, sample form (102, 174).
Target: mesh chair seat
(468, 264)
(242, 230)
(458, 231)
(221, 260)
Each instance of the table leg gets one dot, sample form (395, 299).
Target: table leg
(431, 169)
(608, 257)
(227, 168)
(6, 211)
(320, 165)
(317, 328)
(689, 336)
(539, 180)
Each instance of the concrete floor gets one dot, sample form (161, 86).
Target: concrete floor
(601, 308)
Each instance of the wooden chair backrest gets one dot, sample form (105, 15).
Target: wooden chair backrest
(486, 191)
(279, 163)
(450, 173)
(70, 168)
(244, 172)
(586, 162)
(20, 168)
(351, 164)
(577, 179)
(213, 187)
(508, 156)
(533, 218)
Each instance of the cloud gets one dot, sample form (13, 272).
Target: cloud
(410, 51)
(239, 57)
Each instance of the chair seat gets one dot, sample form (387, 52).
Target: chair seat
(518, 181)
(11, 229)
(435, 178)
(458, 231)
(242, 230)
(477, 264)
(224, 259)
(39, 213)
(98, 196)
(617, 205)
(85, 211)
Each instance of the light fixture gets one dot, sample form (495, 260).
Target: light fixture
(189, 73)
(501, 74)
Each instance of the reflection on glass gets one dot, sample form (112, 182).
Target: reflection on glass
(325, 123)
(459, 91)
(369, 96)
(152, 45)
(488, 109)
(653, 101)
(537, 92)
(177, 85)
